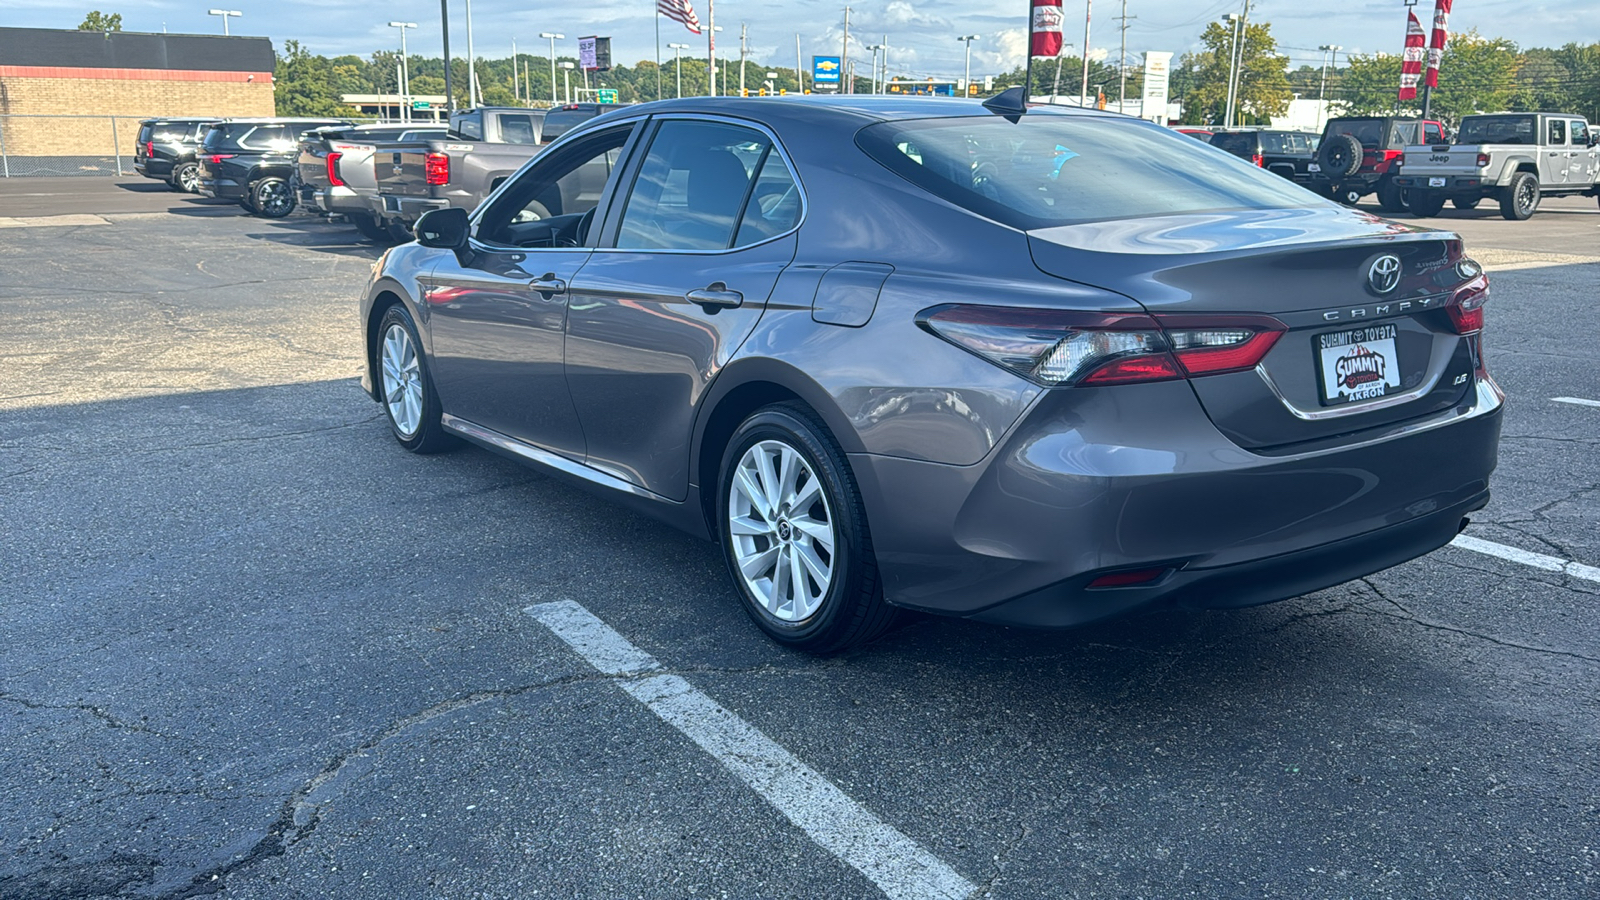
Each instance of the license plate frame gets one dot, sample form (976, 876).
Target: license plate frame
(1436, 181)
(1357, 365)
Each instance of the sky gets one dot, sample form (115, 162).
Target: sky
(921, 34)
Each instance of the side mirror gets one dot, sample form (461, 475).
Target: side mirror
(446, 229)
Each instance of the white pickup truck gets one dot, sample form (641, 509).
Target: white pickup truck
(1516, 158)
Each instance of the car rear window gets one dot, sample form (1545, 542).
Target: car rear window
(560, 121)
(1238, 143)
(1368, 131)
(1046, 170)
(1498, 130)
(145, 130)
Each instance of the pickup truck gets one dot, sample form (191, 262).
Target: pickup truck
(484, 148)
(1515, 158)
(334, 174)
(1357, 157)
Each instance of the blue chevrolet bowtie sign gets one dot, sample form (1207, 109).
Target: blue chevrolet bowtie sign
(825, 69)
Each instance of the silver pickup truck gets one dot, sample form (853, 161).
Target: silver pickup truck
(334, 172)
(1515, 158)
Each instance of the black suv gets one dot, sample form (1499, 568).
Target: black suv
(167, 150)
(252, 161)
(1357, 157)
(1286, 153)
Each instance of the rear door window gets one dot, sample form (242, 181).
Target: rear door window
(692, 187)
(470, 126)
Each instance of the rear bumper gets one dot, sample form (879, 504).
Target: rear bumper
(153, 168)
(1137, 477)
(223, 188)
(1365, 182)
(1450, 184)
(408, 209)
(332, 200)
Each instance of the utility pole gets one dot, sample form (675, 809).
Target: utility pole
(744, 50)
(1227, 110)
(516, 81)
(844, 57)
(449, 95)
(1083, 89)
(883, 81)
(1236, 72)
(799, 70)
(1328, 50)
(472, 64)
(1122, 61)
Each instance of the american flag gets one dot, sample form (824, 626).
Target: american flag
(681, 12)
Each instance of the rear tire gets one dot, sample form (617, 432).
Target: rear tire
(1521, 197)
(1467, 202)
(186, 178)
(405, 383)
(271, 198)
(1426, 204)
(398, 231)
(1391, 196)
(370, 228)
(793, 531)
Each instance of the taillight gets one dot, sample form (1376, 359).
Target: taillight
(1063, 347)
(1257, 160)
(333, 169)
(149, 148)
(437, 167)
(217, 158)
(1483, 160)
(1466, 305)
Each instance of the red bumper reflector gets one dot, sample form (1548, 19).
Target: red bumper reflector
(1127, 579)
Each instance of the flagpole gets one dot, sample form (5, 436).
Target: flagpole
(711, 48)
(658, 52)
(1027, 74)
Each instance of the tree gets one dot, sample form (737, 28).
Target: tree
(1071, 71)
(99, 21)
(304, 84)
(1263, 88)
(1476, 75)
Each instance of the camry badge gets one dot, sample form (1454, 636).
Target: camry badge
(1384, 275)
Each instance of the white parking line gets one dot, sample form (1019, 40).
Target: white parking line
(895, 863)
(1576, 401)
(1536, 560)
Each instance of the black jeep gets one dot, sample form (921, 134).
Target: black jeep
(167, 150)
(1357, 154)
(253, 160)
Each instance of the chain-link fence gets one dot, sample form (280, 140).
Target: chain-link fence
(67, 145)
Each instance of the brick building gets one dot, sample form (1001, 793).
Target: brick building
(112, 80)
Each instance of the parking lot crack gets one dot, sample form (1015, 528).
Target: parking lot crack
(987, 886)
(97, 712)
(1405, 613)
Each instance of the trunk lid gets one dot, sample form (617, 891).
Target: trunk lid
(1312, 269)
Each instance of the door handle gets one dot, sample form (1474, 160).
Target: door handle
(548, 284)
(716, 296)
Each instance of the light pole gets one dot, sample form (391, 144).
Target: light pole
(225, 14)
(553, 38)
(677, 60)
(405, 71)
(966, 80)
(883, 81)
(473, 96)
(566, 75)
(874, 48)
(1328, 51)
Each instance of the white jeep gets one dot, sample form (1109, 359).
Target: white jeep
(1516, 158)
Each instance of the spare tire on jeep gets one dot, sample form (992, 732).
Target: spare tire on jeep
(1339, 155)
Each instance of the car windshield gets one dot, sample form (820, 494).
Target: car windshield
(1368, 131)
(1498, 130)
(1046, 170)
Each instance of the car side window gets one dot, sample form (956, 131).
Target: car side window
(551, 203)
(692, 187)
(1432, 134)
(471, 127)
(1580, 133)
(774, 205)
(1555, 132)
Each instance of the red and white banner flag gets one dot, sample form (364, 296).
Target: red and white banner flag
(1045, 33)
(1411, 61)
(1441, 17)
(681, 12)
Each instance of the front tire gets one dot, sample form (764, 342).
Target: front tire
(272, 198)
(1521, 197)
(409, 400)
(370, 228)
(794, 534)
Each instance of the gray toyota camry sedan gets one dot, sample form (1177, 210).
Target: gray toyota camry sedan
(1033, 366)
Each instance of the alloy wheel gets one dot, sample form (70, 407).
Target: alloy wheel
(782, 530)
(402, 380)
(274, 199)
(189, 179)
(1525, 194)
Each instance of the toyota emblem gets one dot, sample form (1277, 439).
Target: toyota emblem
(1384, 275)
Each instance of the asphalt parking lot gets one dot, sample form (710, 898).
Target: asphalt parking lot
(255, 649)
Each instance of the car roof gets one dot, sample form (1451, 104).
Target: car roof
(279, 120)
(865, 108)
